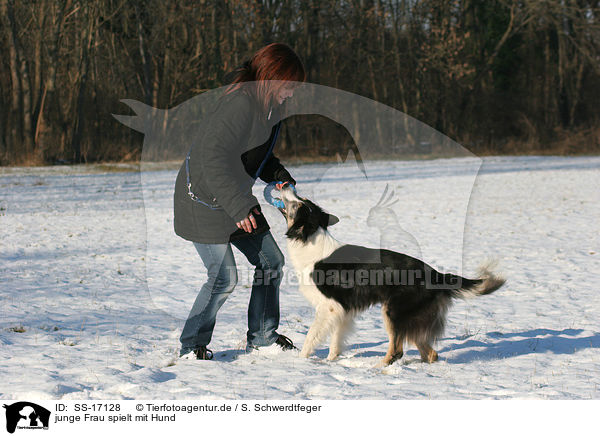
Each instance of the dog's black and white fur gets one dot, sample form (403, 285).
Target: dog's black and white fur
(414, 309)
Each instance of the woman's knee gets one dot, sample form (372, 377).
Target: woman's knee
(225, 280)
(273, 260)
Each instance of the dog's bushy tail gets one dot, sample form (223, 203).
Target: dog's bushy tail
(487, 282)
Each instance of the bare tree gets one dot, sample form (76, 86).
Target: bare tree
(497, 76)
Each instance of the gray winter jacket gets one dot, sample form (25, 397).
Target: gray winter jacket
(223, 163)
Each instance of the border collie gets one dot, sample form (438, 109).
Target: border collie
(341, 280)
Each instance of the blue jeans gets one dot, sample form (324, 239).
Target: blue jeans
(263, 310)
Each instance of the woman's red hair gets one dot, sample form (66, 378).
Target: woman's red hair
(275, 62)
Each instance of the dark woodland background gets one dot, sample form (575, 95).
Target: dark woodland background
(506, 76)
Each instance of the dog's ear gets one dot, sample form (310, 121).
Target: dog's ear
(328, 220)
(332, 219)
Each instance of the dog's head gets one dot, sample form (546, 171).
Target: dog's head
(304, 218)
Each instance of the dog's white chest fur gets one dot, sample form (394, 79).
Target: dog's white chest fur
(304, 256)
(330, 315)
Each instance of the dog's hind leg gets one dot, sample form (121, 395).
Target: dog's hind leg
(340, 332)
(395, 347)
(428, 354)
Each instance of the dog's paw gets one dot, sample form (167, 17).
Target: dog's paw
(305, 353)
(333, 355)
(431, 357)
(388, 360)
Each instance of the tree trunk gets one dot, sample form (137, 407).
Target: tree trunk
(48, 94)
(23, 79)
(145, 55)
(84, 69)
(14, 116)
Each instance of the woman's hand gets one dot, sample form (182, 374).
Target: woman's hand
(248, 223)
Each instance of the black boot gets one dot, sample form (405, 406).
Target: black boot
(285, 343)
(200, 353)
(203, 353)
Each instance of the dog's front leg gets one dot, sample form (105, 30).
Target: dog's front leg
(340, 331)
(317, 330)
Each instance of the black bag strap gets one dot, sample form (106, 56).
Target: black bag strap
(268, 155)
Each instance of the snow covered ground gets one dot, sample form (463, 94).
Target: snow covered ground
(91, 304)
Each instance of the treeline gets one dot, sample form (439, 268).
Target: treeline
(497, 76)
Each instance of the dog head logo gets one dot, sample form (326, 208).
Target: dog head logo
(26, 415)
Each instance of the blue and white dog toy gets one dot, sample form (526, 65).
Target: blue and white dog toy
(277, 202)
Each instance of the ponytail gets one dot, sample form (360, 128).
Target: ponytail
(241, 73)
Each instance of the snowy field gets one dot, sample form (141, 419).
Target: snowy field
(94, 287)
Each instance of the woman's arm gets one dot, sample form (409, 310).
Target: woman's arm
(274, 171)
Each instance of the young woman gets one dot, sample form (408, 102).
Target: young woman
(214, 206)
